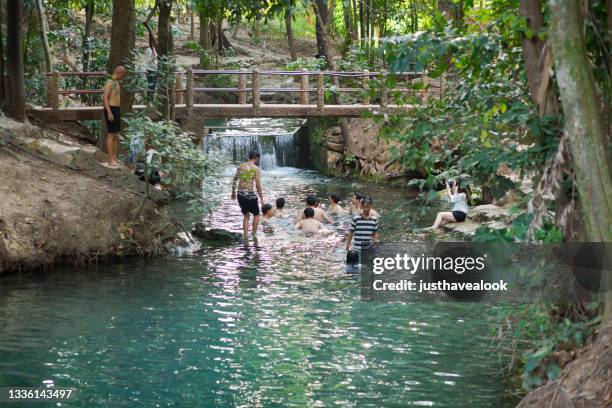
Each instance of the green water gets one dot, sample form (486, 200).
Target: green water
(272, 323)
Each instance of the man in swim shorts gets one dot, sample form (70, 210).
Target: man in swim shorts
(112, 113)
(247, 175)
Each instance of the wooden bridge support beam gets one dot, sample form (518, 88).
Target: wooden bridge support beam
(320, 91)
(53, 82)
(242, 79)
(178, 87)
(366, 87)
(256, 89)
(304, 88)
(384, 90)
(189, 89)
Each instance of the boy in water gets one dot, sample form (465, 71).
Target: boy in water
(111, 99)
(364, 228)
(247, 175)
(355, 206)
(319, 214)
(267, 212)
(308, 224)
(280, 205)
(334, 208)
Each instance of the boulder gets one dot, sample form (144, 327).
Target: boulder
(214, 234)
(333, 158)
(489, 212)
(335, 147)
(468, 228)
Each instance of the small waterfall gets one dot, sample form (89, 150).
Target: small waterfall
(276, 151)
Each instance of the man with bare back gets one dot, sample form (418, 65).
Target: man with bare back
(248, 174)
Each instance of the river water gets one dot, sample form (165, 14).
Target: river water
(274, 322)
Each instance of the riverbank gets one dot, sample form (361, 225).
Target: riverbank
(61, 205)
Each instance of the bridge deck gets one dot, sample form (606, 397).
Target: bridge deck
(224, 111)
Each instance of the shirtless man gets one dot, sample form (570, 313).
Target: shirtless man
(308, 224)
(248, 174)
(355, 206)
(319, 213)
(112, 113)
(334, 207)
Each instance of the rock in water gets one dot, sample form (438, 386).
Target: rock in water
(214, 234)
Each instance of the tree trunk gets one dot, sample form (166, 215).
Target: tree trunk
(43, 35)
(355, 19)
(290, 39)
(321, 25)
(14, 60)
(191, 23)
(584, 126)
(86, 41)
(164, 50)
(123, 41)
(204, 38)
(532, 55)
(331, 65)
(2, 79)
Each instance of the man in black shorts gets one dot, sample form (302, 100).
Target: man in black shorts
(112, 113)
(247, 175)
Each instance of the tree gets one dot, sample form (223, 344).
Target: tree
(43, 35)
(584, 126)
(532, 47)
(290, 39)
(123, 42)
(16, 106)
(2, 79)
(165, 52)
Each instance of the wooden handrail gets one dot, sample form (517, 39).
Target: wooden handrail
(185, 92)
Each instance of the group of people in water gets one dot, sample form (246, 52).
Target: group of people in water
(246, 188)
(363, 231)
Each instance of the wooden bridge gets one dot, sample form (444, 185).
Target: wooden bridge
(359, 91)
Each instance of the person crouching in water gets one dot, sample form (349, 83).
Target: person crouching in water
(319, 213)
(280, 205)
(459, 196)
(308, 224)
(363, 232)
(267, 213)
(355, 205)
(334, 207)
(247, 174)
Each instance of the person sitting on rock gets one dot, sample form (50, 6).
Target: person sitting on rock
(334, 207)
(280, 205)
(319, 213)
(309, 225)
(459, 196)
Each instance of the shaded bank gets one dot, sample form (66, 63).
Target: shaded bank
(59, 204)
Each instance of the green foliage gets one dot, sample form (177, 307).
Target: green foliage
(543, 331)
(483, 119)
(183, 165)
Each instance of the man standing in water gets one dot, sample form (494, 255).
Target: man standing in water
(248, 174)
(112, 113)
(364, 227)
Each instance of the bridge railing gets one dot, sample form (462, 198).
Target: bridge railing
(310, 87)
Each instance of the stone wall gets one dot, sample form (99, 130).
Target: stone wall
(364, 154)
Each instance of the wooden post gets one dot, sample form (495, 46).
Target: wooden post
(255, 85)
(320, 91)
(189, 89)
(384, 94)
(178, 86)
(304, 88)
(53, 82)
(366, 86)
(242, 79)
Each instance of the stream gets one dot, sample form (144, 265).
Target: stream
(276, 322)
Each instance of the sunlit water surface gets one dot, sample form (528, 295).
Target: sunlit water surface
(274, 322)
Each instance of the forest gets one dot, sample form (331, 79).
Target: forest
(513, 93)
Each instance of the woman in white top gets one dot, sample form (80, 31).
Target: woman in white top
(459, 196)
(151, 68)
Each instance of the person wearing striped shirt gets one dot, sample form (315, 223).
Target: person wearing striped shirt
(364, 227)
